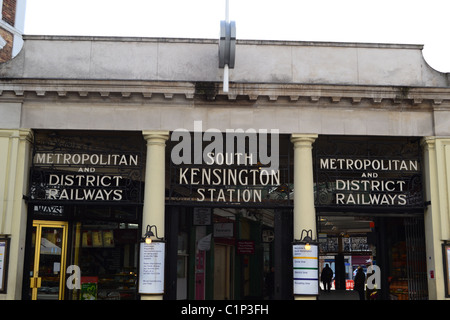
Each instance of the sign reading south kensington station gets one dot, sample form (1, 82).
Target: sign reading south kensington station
(232, 166)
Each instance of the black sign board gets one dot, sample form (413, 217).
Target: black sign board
(206, 173)
(71, 167)
(368, 174)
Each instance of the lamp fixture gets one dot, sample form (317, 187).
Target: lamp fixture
(307, 239)
(149, 234)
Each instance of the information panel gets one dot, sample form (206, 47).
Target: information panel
(4, 243)
(151, 268)
(306, 269)
(446, 251)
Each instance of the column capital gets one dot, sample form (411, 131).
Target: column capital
(429, 143)
(300, 139)
(22, 134)
(156, 136)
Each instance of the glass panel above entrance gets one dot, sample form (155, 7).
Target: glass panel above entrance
(253, 169)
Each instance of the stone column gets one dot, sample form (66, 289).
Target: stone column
(15, 156)
(154, 200)
(304, 211)
(436, 218)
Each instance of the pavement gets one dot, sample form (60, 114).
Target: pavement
(338, 295)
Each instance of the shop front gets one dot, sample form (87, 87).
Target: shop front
(228, 218)
(233, 228)
(84, 216)
(229, 205)
(370, 209)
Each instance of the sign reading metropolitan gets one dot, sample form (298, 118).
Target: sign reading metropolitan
(75, 173)
(371, 180)
(370, 188)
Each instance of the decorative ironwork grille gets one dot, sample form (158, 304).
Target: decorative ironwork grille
(416, 259)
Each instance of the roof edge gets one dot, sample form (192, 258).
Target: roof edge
(238, 41)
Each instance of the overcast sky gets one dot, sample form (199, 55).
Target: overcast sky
(382, 21)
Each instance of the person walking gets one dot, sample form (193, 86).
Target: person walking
(360, 282)
(326, 277)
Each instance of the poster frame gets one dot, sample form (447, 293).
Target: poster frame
(157, 284)
(314, 248)
(4, 263)
(446, 262)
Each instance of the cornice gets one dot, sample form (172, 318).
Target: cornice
(27, 89)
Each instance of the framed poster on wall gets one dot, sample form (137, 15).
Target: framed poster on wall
(151, 267)
(446, 253)
(4, 256)
(306, 269)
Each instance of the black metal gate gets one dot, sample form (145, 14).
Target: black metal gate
(416, 258)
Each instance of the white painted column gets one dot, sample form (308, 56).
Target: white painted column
(304, 211)
(154, 200)
(436, 215)
(15, 156)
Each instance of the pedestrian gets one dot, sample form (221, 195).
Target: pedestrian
(270, 283)
(360, 283)
(326, 277)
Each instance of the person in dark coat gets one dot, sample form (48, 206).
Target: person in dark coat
(326, 277)
(270, 283)
(360, 282)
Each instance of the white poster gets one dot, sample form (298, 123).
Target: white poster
(204, 244)
(2, 263)
(447, 248)
(151, 267)
(223, 230)
(306, 270)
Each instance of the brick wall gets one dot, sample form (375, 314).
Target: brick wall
(9, 11)
(8, 16)
(6, 52)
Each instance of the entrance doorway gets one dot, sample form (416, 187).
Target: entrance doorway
(88, 252)
(230, 253)
(49, 250)
(223, 266)
(394, 246)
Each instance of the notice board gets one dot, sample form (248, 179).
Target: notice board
(151, 268)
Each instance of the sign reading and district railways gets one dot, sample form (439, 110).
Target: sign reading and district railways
(74, 169)
(368, 174)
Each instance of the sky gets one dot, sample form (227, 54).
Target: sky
(382, 21)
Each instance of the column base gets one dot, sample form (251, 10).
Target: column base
(152, 297)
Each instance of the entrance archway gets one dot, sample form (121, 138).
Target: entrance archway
(229, 253)
(394, 245)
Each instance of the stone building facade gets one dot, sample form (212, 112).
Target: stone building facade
(85, 91)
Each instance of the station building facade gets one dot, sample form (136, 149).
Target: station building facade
(104, 140)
